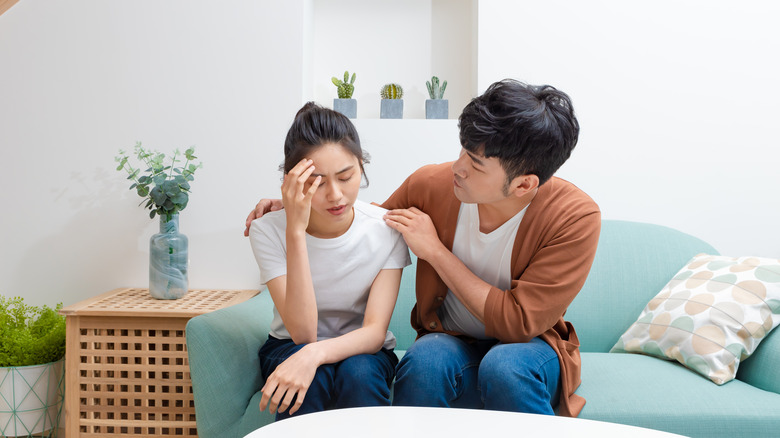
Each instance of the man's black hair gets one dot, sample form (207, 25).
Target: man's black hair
(531, 129)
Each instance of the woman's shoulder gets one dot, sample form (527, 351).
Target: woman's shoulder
(370, 210)
(273, 220)
(371, 221)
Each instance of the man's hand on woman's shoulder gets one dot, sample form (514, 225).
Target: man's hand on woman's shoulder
(262, 207)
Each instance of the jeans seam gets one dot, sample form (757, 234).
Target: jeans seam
(544, 365)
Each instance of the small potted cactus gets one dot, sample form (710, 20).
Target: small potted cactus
(436, 107)
(392, 102)
(345, 104)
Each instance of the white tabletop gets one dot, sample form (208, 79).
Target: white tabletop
(408, 422)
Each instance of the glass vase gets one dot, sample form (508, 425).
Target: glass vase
(168, 261)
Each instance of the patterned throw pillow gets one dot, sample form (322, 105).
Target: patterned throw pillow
(710, 316)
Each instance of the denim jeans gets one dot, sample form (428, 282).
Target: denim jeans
(361, 380)
(440, 370)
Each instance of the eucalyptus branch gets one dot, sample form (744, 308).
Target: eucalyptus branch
(164, 192)
(173, 161)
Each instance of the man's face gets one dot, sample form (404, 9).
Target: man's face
(479, 180)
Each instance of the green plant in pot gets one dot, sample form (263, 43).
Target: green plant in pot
(436, 107)
(392, 103)
(32, 348)
(165, 188)
(345, 104)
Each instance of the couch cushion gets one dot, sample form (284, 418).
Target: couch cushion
(650, 392)
(711, 315)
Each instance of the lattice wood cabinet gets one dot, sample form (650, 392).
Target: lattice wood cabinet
(127, 372)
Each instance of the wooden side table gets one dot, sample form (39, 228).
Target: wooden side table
(126, 365)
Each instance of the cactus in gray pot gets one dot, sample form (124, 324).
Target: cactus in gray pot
(434, 91)
(392, 91)
(346, 87)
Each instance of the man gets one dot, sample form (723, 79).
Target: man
(504, 248)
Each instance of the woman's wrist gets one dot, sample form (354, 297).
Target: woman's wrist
(316, 352)
(296, 234)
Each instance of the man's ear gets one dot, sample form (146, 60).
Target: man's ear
(524, 184)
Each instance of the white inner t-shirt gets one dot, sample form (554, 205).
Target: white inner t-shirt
(488, 256)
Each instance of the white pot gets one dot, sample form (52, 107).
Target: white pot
(31, 398)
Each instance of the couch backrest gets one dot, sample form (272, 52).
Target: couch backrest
(633, 262)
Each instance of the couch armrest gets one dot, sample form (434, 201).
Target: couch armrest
(759, 369)
(225, 370)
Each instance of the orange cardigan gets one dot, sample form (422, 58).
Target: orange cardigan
(552, 254)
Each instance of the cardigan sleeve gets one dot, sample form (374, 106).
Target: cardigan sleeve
(400, 197)
(554, 275)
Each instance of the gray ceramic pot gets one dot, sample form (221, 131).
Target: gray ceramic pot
(348, 107)
(437, 108)
(392, 109)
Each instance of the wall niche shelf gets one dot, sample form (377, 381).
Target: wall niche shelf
(406, 42)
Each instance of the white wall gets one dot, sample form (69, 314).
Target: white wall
(399, 147)
(677, 101)
(79, 80)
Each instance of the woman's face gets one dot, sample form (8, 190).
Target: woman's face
(331, 206)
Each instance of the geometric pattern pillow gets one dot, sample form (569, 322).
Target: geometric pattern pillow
(710, 316)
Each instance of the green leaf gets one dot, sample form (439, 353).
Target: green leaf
(180, 198)
(158, 196)
(122, 163)
(152, 213)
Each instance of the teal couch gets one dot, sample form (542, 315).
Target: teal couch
(633, 262)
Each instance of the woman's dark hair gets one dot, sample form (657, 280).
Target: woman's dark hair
(314, 126)
(531, 129)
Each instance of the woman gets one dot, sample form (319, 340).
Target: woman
(333, 269)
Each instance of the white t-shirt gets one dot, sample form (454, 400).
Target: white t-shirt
(342, 268)
(488, 256)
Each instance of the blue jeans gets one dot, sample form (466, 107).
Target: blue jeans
(440, 370)
(361, 380)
